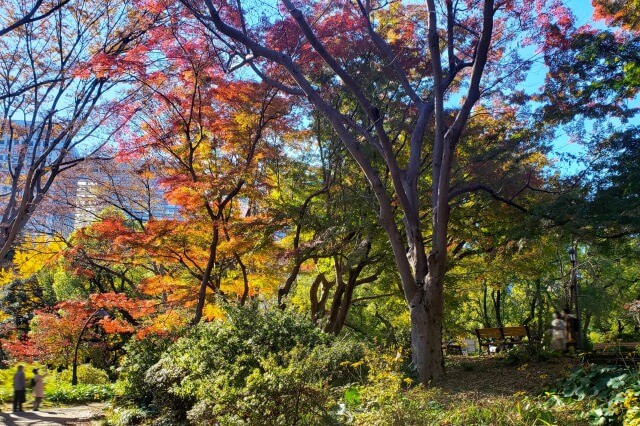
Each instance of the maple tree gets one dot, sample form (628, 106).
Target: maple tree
(55, 331)
(207, 141)
(593, 83)
(107, 267)
(618, 12)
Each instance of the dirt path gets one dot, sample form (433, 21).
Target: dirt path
(79, 415)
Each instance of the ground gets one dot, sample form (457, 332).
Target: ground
(78, 415)
(488, 390)
(471, 378)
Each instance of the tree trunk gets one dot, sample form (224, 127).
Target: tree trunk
(586, 323)
(532, 305)
(426, 310)
(495, 296)
(485, 309)
(202, 293)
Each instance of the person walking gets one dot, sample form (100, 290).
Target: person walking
(38, 388)
(19, 389)
(558, 333)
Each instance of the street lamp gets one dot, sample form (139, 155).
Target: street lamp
(573, 295)
(100, 313)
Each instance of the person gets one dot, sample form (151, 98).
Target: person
(38, 388)
(19, 389)
(571, 328)
(558, 333)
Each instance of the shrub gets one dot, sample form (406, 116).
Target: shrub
(613, 391)
(87, 374)
(521, 354)
(131, 388)
(386, 397)
(257, 366)
(390, 398)
(126, 416)
(64, 393)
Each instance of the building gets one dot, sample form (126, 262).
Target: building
(80, 194)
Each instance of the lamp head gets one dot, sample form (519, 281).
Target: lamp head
(101, 313)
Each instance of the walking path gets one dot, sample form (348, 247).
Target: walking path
(78, 415)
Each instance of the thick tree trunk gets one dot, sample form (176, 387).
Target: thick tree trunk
(426, 311)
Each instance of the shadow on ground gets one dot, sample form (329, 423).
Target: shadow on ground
(81, 415)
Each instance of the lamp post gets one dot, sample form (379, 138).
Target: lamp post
(100, 313)
(573, 295)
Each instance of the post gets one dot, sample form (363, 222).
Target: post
(101, 313)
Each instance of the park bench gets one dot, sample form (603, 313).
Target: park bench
(502, 337)
(616, 346)
(614, 353)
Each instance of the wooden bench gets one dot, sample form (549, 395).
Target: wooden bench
(617, 346)
(618, 353)
(452, 348)
(502, 337)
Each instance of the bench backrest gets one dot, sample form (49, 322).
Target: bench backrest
(515, 331)
(604, 346)
(488, 333)
(500, 333)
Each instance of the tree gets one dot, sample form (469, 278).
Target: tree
(208, 140)
(24, 13)
(619, 12)
(468, 51)
(52, 114)
(593, 74)
(55, 331)
(333, 248)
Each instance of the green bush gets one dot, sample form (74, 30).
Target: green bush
(87, 374)
(520, 354)
(94, 384)
(257, 366)
(64, 393)
(614, 393)
(388, 397)
(131, 389)
(126, 416)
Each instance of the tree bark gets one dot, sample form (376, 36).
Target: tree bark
(496, 296)
(485, 309)
(426, 311)
(202, 293)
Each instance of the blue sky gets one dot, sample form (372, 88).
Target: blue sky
(583, 12)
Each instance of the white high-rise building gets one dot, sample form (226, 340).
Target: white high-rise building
(121, 187)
